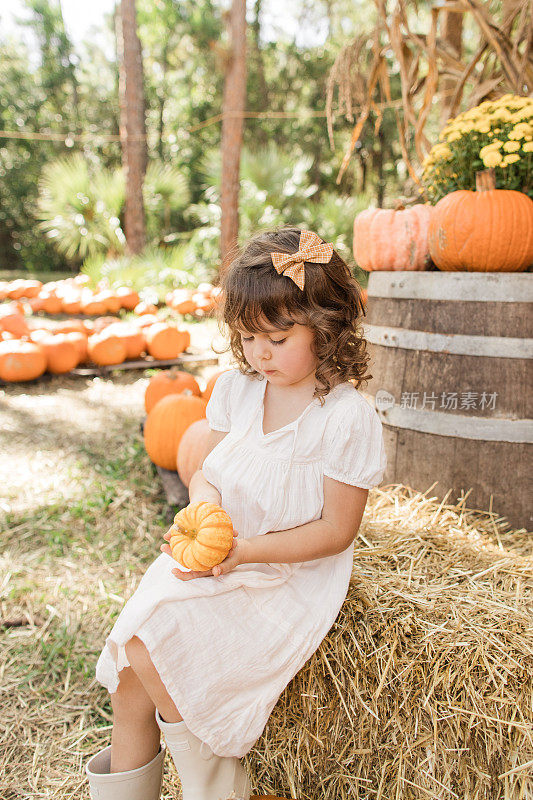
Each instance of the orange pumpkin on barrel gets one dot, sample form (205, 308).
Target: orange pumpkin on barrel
(489, 230)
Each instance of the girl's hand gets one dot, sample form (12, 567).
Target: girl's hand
(233, 559)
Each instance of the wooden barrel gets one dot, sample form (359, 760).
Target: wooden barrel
(451, 364)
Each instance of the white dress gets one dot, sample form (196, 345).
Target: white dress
(226, 647)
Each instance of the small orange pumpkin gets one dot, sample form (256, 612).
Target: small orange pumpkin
(145, 308)
(100, 323)
(21, 361)
(145, 320)
(165, 425)
(191, 449)
(181, 301)
(201, 536)
(169, 381)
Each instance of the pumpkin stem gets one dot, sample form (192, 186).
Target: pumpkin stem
(399, 206)
(486, 180)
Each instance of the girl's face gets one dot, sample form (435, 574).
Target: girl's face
(285, 358)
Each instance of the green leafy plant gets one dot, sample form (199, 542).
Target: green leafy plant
(80, 208)
(152, 273)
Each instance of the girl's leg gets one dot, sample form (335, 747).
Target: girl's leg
(135, 737)
(141, 663)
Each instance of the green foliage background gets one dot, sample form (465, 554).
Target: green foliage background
(288, 168)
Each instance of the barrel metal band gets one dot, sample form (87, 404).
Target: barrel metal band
(461, 287)
(454, 343)
(458, 425)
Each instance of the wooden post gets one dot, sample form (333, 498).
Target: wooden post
(132, 124)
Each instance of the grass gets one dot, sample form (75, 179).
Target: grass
(74, 548)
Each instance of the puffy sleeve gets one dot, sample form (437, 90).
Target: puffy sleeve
(218, 408)
(354, 450)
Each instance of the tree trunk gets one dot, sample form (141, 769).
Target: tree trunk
(452, 34)
(256, 63)
(232, 125)
(132, 125)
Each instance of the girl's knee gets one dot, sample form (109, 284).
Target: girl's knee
(137, 653)
(130, 698)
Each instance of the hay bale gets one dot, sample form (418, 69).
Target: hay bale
(423, 687)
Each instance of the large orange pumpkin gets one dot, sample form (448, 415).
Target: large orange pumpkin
(384, 239)
(169, 381)
(23, 287)
(50, 302)
(93, 307)
(165, 425)
(191, 449)
(206, 394)
(71, 303)
(164, 341)
(145, 308)
(201, 536)
(80, 342)
(13, 322)
(70, 326)
(61, 353)
(106, 350)
(489, 230)
(131, 335)
(128, 297)
(21, 361)
(109, 299)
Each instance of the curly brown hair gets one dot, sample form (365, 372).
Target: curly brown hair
(330, 304)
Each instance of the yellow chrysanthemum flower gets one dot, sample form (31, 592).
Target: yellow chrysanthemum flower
(441, 151)
(504, 115)
(493, 147)
(511, 147)
(528, 147)
(454, 136)
(526, 112)
(482, 127)
(520, 131)
(492, 159)
(511, 159)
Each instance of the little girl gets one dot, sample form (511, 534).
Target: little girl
(293, 450)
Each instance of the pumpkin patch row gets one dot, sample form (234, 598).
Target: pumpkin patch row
(200, 301)
(27, 352)
(73, 296)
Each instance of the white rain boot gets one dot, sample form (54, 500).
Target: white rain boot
(203, 775)
(143, 783)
